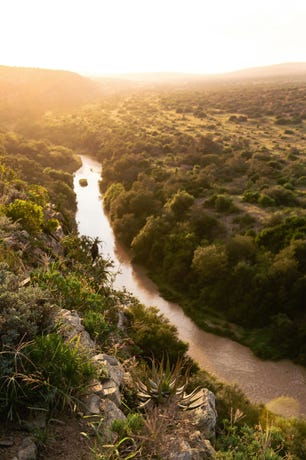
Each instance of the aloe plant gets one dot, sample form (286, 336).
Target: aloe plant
(166, 383)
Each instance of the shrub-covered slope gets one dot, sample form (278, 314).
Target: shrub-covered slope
(206, 184)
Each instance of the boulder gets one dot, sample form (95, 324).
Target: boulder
(110, 413)
(204, 418)
(27, 450)
(114, 368)
(71, 327)
(111, 391)
(203, 451)
(92, 404)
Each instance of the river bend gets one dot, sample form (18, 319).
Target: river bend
(281, 385)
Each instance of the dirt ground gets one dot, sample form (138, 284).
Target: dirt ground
(63, 440)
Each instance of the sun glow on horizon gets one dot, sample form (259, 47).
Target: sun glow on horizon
(123, 36)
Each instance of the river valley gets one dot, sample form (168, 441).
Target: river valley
(281, 385)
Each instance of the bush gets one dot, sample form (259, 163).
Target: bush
(153, 334)
(29, 214)
(47, 373)
(249, 443)
(24, 311)
(266, 201)
(96, 325)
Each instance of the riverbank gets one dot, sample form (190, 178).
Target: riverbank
(257, 340)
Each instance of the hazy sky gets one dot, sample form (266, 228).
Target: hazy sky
(118, 36)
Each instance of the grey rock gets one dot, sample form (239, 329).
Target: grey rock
(203, 447)
(195, 438)
(205, 416)
(204, 451)
(27, 450)
(110, 413)
(183, 452)
(111, 360)
(6, 442)
(207, 451)
(114, 368)
(92, 404)
(71, 327)
(96, 387)
(111, 391)
(122, 321)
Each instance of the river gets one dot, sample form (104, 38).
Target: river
(280, 385)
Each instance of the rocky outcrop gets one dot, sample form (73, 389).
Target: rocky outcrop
(71, 328)
(103, 402)
(104, 396)
(204, 418)
(185, 451)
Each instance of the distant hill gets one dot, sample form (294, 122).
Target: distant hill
(29, 90)
(134, 80)
(296, 69)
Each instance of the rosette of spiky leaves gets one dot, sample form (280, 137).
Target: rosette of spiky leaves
(165, 383)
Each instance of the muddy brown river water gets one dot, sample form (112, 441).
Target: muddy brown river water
(280, 385)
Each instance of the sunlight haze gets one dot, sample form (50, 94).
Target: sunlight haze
(121, 36)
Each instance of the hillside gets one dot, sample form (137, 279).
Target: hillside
(207, 187)
(25, 91)
(278, 71)
(68, 339)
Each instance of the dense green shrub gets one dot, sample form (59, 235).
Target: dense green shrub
(47, 374)
(29, 214)
(24, 311)
(97, 326)
(153, 334)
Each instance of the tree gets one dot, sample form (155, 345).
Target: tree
(180, 203)
(210, 262)
(241, 247)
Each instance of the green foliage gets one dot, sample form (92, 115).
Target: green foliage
(51, 225)
(113, 192)
(96, 325)
(278, 236)
(165, 384)
(223, 203)
(240, 247)
(178, 182)
(153, 334)
(29, 214)
(46, 373)
(180, 203)
(24, 311)
(293, 432)
(38, 195)
(129, 427)
(265, 200)
(64, 369)
(210, 262)
(69, 289)
(281, 196)
(245, 442)
(77, 251)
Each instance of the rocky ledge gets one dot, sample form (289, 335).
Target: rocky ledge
(103, 400)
